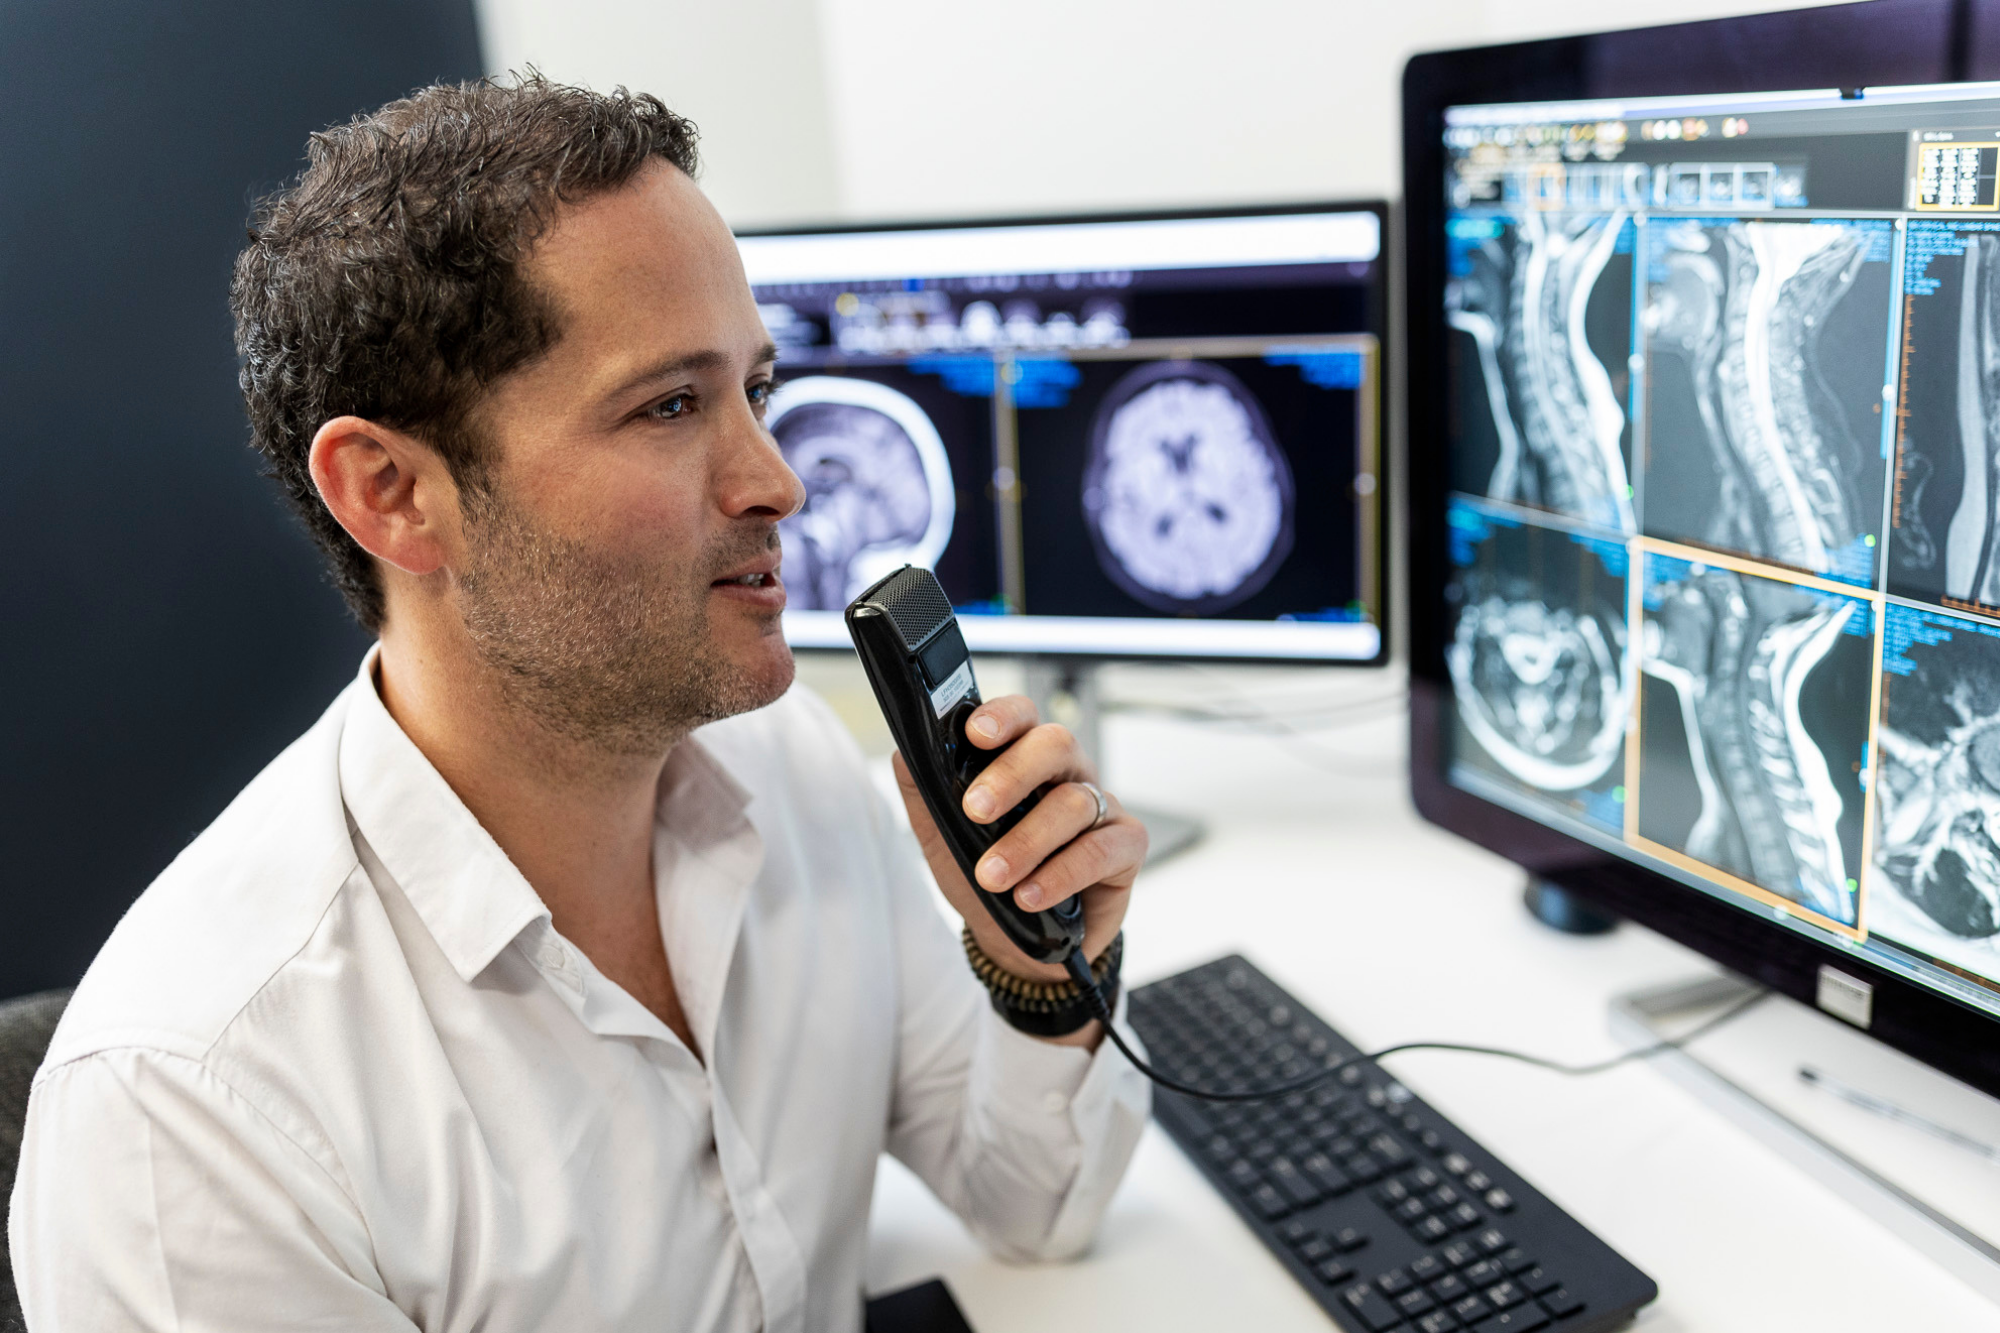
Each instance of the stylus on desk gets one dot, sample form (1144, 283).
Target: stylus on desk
(1869, 1102)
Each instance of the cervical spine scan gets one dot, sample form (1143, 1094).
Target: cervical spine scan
(878, 487)
(1186, 493)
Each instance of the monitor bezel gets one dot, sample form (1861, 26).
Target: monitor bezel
(1378, 319)
(1880, 44)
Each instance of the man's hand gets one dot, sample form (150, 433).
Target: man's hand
(1053, 852)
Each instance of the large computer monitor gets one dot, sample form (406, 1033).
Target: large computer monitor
(1143, 436)
(1705, 428)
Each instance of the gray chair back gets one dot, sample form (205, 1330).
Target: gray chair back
(26, 1025)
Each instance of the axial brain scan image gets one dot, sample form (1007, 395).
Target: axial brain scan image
(878, 487)
(1937, 848)
(1753, 726)
(1186, 492)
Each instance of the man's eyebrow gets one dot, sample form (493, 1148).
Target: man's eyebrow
(710, 359)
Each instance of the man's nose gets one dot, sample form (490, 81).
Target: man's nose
(757, 480)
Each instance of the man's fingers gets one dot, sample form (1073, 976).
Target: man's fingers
(998, 721)
(1064, 814)
(1111, 852)
(1046, 754)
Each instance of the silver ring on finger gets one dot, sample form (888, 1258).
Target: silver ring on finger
(1103, 805)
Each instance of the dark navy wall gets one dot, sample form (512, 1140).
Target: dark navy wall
(164, 625)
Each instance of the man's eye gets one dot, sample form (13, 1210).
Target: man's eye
(668, 409)
(760, 394)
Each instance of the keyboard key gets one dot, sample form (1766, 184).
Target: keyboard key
(1478, 1181)
(1391, 1192)
(1514, 1260)
(1371, 1307)
(1560, 1303)
(1390, 1153)
(1296, 1232)
(1423, 1178)
(1471, 1310)
(1428, 1268)
(1409, 1210)
(1432, 1141)
(1292, 1182)
(1456, 1163)
(1499, 1200)
(1430, 1230)
(1464, 1217)
(1505, 1295)
(1269, 1202)
(1332, 1271)
(1458, 1254)
(1444, 1196)
(1524, 1319)
(1536, 1279)
(1394, 1282)
(1243, 1176)
(1349, 1239)
(1315, 1249)
(1491, 1240)
(1437, 1321)
(1484, 1273)
(1363, 1168)
(1414, 1302)
(1450, 1288)
(1321, 1170)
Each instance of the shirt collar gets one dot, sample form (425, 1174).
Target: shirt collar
(470, 896)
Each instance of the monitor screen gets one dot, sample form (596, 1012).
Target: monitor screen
(1723, 440)
(1136, 437)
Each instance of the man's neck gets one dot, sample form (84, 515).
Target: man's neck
(576, 821)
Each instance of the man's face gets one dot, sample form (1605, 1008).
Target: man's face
(620, 563)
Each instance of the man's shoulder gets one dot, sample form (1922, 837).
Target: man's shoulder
(219, 922)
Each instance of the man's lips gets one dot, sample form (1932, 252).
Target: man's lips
(759, 584)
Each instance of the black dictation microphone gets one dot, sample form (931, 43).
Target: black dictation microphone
(921, 671)
(918, 665)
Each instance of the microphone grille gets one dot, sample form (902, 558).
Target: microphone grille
(915, 603)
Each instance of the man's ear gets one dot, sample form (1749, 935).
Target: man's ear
(391, 492)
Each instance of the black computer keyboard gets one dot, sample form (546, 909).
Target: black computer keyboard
(1391, 1216)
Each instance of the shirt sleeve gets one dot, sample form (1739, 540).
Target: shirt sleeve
(152, 1196)
(1024, 1139)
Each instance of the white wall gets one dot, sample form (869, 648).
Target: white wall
(813, 109)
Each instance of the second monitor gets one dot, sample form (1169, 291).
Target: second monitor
(1141, 436)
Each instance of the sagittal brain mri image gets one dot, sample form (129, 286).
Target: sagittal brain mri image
(1542, 305)
(1538, 661)
(1753, 725)
(1947, 498)
(878, 487)
(1767, 351)
(1186, 493)
(1937, 842)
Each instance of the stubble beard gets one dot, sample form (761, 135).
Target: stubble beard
(614, 654)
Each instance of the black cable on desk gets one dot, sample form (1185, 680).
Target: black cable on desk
(1079, 971)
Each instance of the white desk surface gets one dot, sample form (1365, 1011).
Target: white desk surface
(1393, 930)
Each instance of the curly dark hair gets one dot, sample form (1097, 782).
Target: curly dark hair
(387, 281)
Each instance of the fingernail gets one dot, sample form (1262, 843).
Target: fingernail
(1029, 896)
(979, 803)
(994, 870)
(983, 725)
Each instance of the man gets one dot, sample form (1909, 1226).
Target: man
(567, 974)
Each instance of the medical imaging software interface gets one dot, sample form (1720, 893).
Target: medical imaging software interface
(1154, 437)
(1724, 380)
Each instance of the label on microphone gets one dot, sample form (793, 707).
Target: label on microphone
(956, 686)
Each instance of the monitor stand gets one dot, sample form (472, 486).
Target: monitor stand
(1065, 690)
(1943, 1197)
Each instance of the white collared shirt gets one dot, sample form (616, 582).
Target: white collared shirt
(335, 1069)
